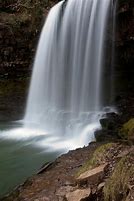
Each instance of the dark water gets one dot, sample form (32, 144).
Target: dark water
(19, 159)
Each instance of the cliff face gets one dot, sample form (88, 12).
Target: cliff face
(20, 25)
(124, 46)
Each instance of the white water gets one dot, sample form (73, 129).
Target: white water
(64, 102)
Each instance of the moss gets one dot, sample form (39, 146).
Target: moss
(116, 187)
(127, 130)
(99, 157)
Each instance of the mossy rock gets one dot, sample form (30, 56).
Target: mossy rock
(117, 186)
(99, 157)
(127, 131)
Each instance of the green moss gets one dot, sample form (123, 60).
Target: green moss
(99, 156)
(127, 130)
(116, 186)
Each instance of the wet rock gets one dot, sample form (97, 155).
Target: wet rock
(110, 125)
(107, 123)
(112, 119)
(93, 176)
(79, 195)
(106, 135)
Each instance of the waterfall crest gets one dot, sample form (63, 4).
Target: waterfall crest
(65, 95)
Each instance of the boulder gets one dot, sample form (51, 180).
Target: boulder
(93, 176)
(79, 195)
(105, 135)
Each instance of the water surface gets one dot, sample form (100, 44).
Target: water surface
(19, 159)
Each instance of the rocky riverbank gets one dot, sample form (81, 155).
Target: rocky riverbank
(97, 172)
(104, 170)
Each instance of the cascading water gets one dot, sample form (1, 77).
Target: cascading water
(66, 97)
(69, 89)
(66, 87)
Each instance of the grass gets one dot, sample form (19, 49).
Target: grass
(99, 157)
(116, 187)
(127, 130)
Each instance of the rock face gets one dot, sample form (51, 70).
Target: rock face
(20, 26)
(124, 43)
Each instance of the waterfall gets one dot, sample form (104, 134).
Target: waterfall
(65, 96)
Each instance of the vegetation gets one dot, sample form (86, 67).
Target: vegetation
(127, 130)
(99, 156)
(117, 186)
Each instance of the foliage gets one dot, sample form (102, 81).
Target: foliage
(116, 187)
(99, 157)
(127, 130)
